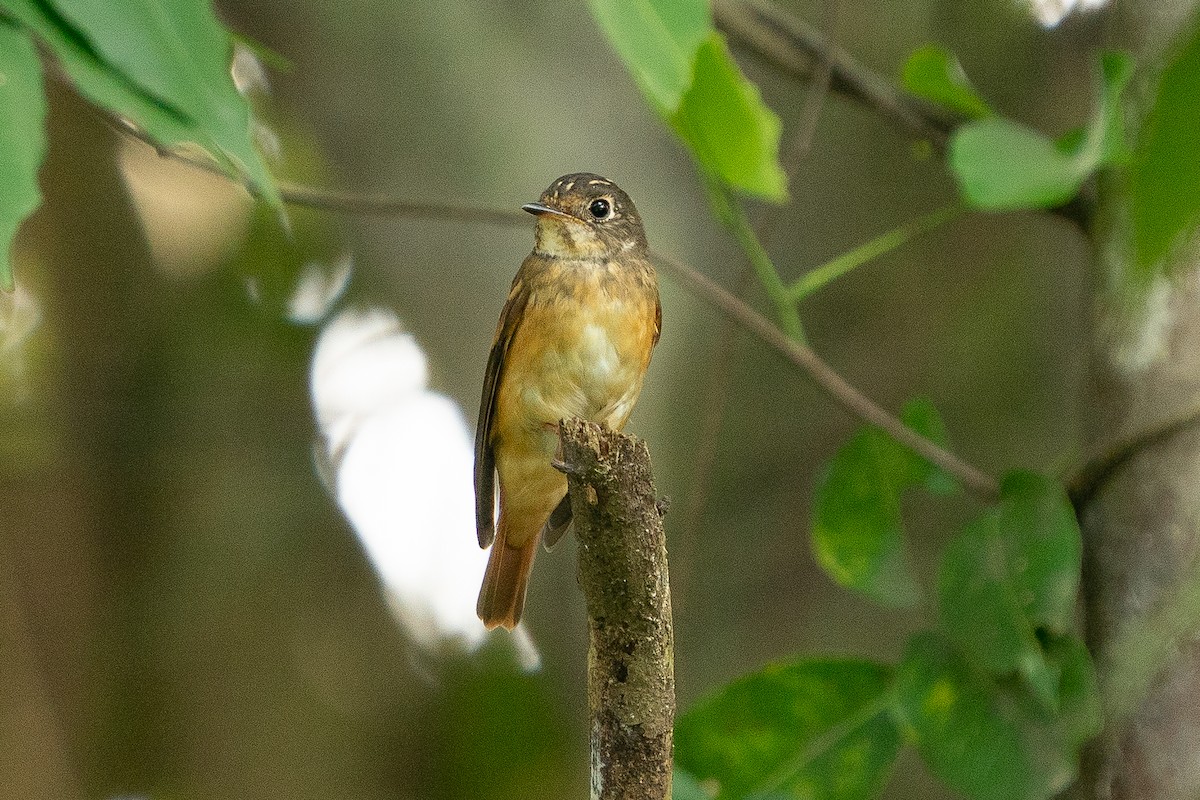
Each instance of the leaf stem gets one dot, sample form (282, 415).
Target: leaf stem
(819, 277)
(730, 212)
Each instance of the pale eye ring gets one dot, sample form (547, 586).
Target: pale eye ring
(600, 208)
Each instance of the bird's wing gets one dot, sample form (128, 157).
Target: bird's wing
(485, 459)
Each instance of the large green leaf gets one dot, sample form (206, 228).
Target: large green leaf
(1164, 172)
(858, 531)
(724, 121)
(1012, 574)
(933, 73)
(991, 740)
(685, 70)
(22, 137)
(1002, 165)
(818, 729)
(657, 40)
(162, 64)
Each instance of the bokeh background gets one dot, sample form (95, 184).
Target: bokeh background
(184, 610)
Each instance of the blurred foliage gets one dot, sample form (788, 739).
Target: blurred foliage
(689, 76)
(1003, 165)
(1164, 175)
(22, 140)
(809, 728)
(184, 613)
(161, 64)
(857, 533)
(932, 72)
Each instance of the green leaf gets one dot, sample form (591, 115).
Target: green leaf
(685, 70)
(22, 138)
(657, 40)
(1036, 517)
(806, 729)
(858, 531)
(729, 129)
(1002, 165)
(921, 415)
(1013, 572)
(163, 64)
(1078, 694)
(989, 740)
(958, 729)
(1164, 173)
(933, 73)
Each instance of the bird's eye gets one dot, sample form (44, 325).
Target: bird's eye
(600, 209)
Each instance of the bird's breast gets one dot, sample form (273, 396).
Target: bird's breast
(581, 351)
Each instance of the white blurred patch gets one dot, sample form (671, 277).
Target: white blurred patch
(402, 462)
(249, 74)
(318, 288)
(1051, 12)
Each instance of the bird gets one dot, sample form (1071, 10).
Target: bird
(574, 339)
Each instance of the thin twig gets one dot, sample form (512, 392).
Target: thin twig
(1092, 476)
(829, 380)
(697, 283)
(336, 201)
(794, 46)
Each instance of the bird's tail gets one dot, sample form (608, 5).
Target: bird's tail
(502, 598)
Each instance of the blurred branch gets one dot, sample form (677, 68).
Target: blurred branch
(794, 46)
(623, 575)
(700, 285)
(335, 201)
(854, 401)
(1084, 484)
(720, 378)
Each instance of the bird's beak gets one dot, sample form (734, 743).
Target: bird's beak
(540, 209)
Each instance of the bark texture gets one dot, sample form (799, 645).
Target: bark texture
(1142, 524)
(623, 575)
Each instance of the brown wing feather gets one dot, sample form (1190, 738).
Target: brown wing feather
(485, 460)
(657, 321)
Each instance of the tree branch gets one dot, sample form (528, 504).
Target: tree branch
(623, 575)
(692, 280)
(1092, 476)
(794, 46)
(835, 385)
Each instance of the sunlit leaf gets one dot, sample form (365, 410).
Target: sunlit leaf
(163, 65)
(724, 121)
(1164, 173)
(818, 729)
(932, 72)
(858, 531)
(1002, 165)
(657, 40)
(22, 137)
(685, 70)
